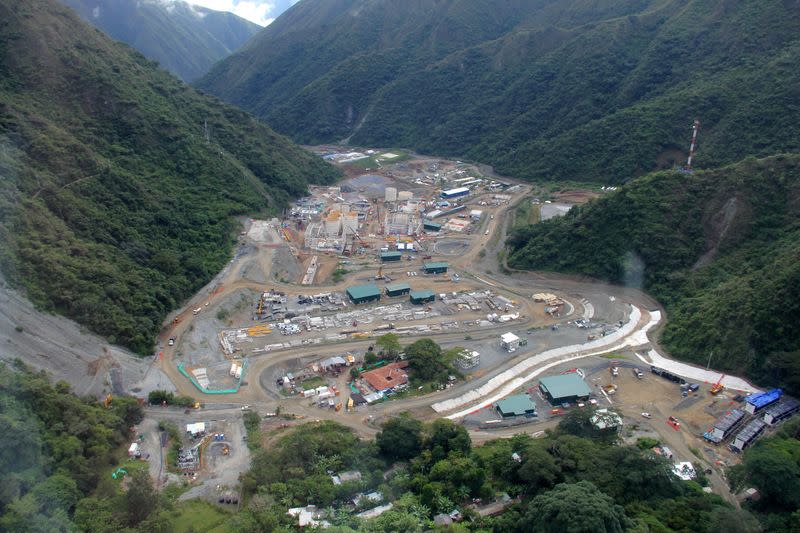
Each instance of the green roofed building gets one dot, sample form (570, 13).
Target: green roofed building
(421, 297)
(360, 294)
(519, 405)
(565, 388)
(430, 225)
(391, 256)
(398, 289)
(439, 267)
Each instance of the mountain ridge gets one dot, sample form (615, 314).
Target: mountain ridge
(541, 90)
(115, 206)
(184, 38)
(718, 248)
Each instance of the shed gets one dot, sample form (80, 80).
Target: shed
(726, 424)
(430, 225)
(748, 434)
(565, 388)
(781, 411)
(421, 297)
(436, 267)
(518, 405)
(756, 402)
(363, 293)
(509, 342)
(398, 289)
(391, 256)
(455, 193)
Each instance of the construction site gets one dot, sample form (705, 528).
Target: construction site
(414, 248)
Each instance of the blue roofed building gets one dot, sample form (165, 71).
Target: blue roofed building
(755, 402)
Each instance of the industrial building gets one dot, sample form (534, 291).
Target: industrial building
(455, 193)
(398, 289)
(518, 405)
(509, 342)
(756, 402)
(421, 297)
(724, 426)
(360, 294)
(748, 434)
(781, 411)
(468, 359)
(430, 225)
(566, 388)
(437, 267)
(391, 256)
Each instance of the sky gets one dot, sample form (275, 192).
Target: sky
(262, 12)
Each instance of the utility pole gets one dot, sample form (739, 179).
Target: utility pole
(692, 147)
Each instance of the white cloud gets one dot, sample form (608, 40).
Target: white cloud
(258, 11)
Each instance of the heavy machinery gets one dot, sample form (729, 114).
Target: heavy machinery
(107, 401)
(673, 423)
(718, 387)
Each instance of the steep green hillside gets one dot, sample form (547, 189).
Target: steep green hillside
(113, 206)
(720, 249)
(570, 89)
(183, 38)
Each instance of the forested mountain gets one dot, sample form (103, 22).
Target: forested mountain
(185, 39)
(114, 206)
(543, 89)
(719, 248)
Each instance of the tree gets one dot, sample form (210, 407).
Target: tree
(389, 344)
(773, 467)
(425, 357)
(733, 521)
(538, 470)
(400, 438)
(445, 436)
(575, 508)
(141, 499)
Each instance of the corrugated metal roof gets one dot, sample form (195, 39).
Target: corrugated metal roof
(751, 431)
(565, 385)
(391, 254)
(765, 398)
(729, 420)
(517, 404)
(421, 295)
(435, 264)
(398, 287)
(363, 291)
(786, 406)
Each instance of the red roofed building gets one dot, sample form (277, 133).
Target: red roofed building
(387, 377)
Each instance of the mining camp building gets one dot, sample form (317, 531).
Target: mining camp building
(518, 405)
(391, 256)
(565, 388)
(509, 342)
(421, 297)
(430, 225)
(398, 289)
(437, 267)
(360, 294)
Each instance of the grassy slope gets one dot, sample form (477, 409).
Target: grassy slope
(543, 90)
(740, 302)
(113, 207)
